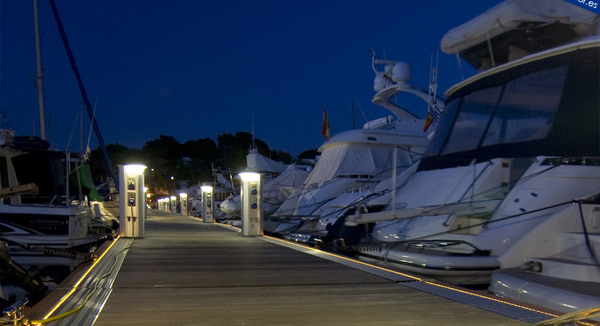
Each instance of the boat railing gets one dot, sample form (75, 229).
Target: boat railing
(14, 313)
(288, 218)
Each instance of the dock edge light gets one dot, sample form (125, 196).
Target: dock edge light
(135, 169)
(249, 176)
(206, 188)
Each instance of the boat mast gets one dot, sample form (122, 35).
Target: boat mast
(86, 101)
(38, 53)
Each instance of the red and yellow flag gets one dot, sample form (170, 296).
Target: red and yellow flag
(428, 121)
(325, 128)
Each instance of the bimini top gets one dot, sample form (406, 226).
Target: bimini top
(517, 28)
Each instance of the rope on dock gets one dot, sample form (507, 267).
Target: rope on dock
(573, 317)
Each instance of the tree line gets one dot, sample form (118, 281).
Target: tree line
(171, 162)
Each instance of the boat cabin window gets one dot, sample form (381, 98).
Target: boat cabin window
(470, 125)
(543, 107)
(527, 108)
(521, 110)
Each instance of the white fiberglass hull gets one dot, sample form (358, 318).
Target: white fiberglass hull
(549, 292)
(459, 269)
(51, 226)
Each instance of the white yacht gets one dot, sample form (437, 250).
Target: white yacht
(354, 162)
(511, 177)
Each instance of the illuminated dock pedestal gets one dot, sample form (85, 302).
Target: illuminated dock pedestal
(166, 204)
(183, 201)
(207, 204)
(132, 205)
(252, 206)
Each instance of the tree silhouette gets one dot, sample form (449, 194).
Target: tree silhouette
(170, 162)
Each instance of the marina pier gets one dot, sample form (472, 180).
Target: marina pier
(186, 272)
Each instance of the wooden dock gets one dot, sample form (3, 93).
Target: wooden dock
(185, 272)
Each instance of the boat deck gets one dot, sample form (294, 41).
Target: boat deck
(185, 272)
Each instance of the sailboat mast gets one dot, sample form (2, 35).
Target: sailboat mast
(38, 53)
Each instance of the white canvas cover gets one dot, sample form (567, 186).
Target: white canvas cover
(260, 163)
(345, 158)
(285, 184)
(510, 14)
(353, 159)
(223, 181)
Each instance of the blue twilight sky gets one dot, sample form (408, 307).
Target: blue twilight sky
(195, 69)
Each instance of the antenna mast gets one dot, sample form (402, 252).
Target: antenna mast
(433, 108)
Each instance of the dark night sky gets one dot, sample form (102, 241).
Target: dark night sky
(196, 69)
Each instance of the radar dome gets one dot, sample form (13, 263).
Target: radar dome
(380, 82)
(401, 72)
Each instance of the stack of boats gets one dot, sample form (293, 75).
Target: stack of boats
(505, 191)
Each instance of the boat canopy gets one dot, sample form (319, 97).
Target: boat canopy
(286, 183)
(516, 28)
(355, 159)
(260, 163)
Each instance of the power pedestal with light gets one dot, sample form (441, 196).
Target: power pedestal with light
(173, 207)
(132, 206)
(207, 204)
(183, 201)
(167, 204)
(252, 206)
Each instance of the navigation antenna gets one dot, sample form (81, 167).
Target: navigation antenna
(432, 107)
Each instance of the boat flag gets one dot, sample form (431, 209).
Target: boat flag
(325, 128)
(428, 121)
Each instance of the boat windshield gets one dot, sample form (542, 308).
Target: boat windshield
(523, 111)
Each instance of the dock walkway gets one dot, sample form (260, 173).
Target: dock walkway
(185, 272)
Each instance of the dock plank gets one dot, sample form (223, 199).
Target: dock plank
(189, 273)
